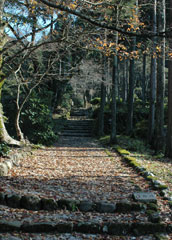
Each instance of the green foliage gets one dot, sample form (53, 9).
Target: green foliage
(122, 151)
(4, 149)
(95, 101)
(37, 121)
(132, 144)
(105, 140)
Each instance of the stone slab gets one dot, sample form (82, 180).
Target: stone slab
(144, 197)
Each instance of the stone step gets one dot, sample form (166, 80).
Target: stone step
(35, 203)
(80, 122)
(71, 236)
(88, 227)
(78, 131)
(73, 128)
(75, 134)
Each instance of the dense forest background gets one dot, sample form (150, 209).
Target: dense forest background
(112, 57)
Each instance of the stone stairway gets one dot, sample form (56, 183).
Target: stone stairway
(79, 125)
(120, 209)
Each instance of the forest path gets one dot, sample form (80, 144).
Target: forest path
(76, 169)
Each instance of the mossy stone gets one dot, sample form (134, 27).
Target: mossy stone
(31, 202)
(148, 228)
(71, 205)
(13, 200)
(124, 206)
(2, 198)
(122, 151)
(152, 206)
(155, 217)
(49, 204)
(89, 227)
(160, 187)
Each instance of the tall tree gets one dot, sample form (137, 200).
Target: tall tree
(103, 98)
(153, 80)
(159, 121)
(4, 136)
(131, 84)
(169, 127)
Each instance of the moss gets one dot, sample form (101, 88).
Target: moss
(161, 187)
(122, 151)
(150, 211)
(170, 204)
(152, 206)
(105, 139)
(130, 158)
(108, 152)
(150, 178)
(160, 236)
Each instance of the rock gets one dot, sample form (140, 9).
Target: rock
(144, 197)
(104, 207)
(3, 169)
(138, 206)
(16, 158)
(13, 200)
(8, 226)
(148, 228)
(70, 205)
(123, 206)
(49, 204)
(147, 174)
(87, 228)
(169, 228)
(38, 227)
(152, 206)
(154, 217)
(119, 229)
(64, 227)
(2, 198)
(31, 202)
(9, 164)
(86, 206)
(157, 182)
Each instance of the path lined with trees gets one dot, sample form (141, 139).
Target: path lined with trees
(114, 59)
(53, 42)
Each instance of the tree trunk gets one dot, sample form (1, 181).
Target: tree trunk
(159, 121)
(103, 99)
(169, 127)
(131, 86)
(17, 126)
(153, 82)
(4, 136)
(124, 82)
(114, 91)
(131, 94)
(144, 79)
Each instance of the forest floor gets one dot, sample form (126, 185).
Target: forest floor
(158, 164)
(78, 169)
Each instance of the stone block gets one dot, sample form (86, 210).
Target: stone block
(39, 227)
(49, 204)
(13, 200)
(86, 206)
(104, 207)
(144, 197)
(89, 227)
(9, 226)
(64, 227)
(31, 202)
(119, 229)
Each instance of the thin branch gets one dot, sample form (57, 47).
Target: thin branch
(103, 25)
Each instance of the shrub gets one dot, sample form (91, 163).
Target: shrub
(37, 122)
(95, 101)
(4, 149)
